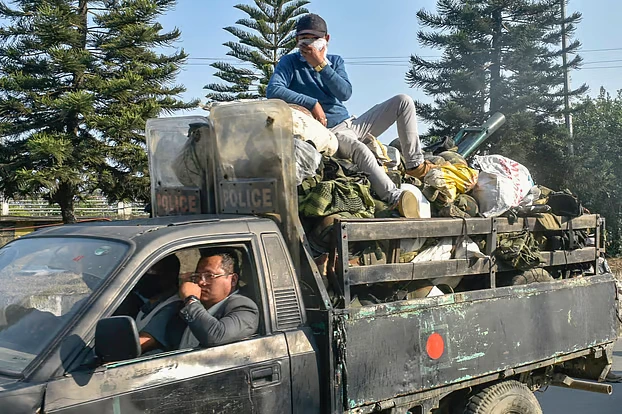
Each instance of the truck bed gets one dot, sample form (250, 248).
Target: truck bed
(394, 349)
(412, 350)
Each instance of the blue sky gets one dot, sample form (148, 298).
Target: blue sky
(372, 28)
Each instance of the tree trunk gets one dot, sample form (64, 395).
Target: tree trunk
(495, 68)
(66, 192)
(64, 197)
(73, 124)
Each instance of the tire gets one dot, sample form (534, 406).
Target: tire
(537, 275)
(507, 397)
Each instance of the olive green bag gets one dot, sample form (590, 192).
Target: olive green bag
(519, 249)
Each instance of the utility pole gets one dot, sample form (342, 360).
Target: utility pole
(567, 114)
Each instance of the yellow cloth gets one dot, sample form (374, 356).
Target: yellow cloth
(452, 179)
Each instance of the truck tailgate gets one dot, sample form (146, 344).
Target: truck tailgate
(399, 348)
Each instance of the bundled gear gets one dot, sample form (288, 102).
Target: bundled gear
(464, 206)
(307, 160)
(306, 128)
(444, 144)
(536, 275)
(503, 183)
(453, 157)
(342, 195)
(320, 232)
(564, 203)
(519, 249)
(451, 180)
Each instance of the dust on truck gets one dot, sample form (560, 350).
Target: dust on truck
(229, 180)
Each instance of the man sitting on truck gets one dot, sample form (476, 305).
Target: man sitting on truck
(318, 82)
(214, 312)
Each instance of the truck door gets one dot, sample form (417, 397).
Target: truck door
(252, 375)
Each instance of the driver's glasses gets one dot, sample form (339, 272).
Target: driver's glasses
(206, 276)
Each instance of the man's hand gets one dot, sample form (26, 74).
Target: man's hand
(187, 288)
(318, 113)
(313, 56)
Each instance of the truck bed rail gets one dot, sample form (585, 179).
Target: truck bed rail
(348, 231)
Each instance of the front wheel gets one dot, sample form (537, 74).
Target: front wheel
(507, 397)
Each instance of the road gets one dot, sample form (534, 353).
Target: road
(559, 400)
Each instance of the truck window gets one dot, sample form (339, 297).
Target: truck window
(44, 282)
(156, 307)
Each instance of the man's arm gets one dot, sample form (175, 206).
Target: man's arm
(147, 342)
(239, 322)
(154, 335)
(336, 79)
(278, 87)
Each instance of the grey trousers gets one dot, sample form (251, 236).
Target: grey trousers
(400, 109)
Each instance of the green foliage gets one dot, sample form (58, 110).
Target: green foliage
(593, 173)
(78, 80)
(597, 175)
(497, 55)
(271, 35)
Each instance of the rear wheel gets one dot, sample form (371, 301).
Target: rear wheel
(507, 397)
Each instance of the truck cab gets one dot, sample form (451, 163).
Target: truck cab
(264, 373)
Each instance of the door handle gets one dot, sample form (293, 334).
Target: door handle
(261, 377)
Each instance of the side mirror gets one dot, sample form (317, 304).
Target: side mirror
(116, 339)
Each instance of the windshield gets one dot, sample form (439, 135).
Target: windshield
(43, 282)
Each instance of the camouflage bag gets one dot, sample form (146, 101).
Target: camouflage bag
(464, 206)
(519, 249)
(334, 191)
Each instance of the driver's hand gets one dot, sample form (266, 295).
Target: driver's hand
(188, 288)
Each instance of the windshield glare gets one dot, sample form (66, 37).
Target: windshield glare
(43, 282)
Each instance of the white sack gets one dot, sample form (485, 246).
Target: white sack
(308, 128)
(443, 251)
(503, 184)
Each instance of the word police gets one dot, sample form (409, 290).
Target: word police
(249, 199)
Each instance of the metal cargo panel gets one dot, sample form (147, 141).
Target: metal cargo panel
(399, 348)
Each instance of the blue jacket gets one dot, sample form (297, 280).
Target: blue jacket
(296, 82)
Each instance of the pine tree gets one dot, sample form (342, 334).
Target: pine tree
(596, 176)
(78, 79)
(272, 35)
(497, 55)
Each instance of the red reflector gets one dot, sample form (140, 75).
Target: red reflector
(435, 346)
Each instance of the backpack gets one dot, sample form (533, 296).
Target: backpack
(565, 204)
(519, 250)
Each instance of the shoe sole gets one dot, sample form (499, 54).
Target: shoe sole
(408, 206)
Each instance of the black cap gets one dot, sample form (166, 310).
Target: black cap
(311, 24)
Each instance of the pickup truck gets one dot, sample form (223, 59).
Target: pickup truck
(228, 181)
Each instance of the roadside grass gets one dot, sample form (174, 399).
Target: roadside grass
(615, 263)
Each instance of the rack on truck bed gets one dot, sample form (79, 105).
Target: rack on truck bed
(347, 231)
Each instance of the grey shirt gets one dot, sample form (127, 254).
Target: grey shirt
(235, 319)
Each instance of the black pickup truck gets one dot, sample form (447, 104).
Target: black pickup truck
(477, 351)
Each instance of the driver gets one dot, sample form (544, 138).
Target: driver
(214, 312)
